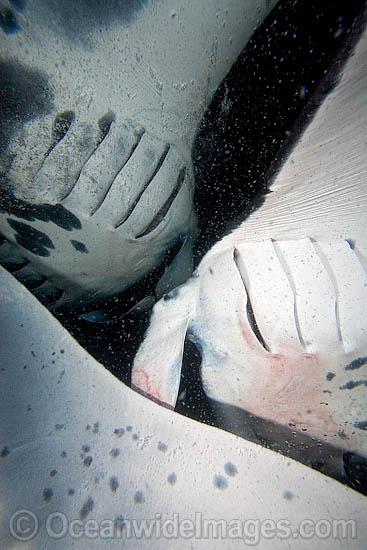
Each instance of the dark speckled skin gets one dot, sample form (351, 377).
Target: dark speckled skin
(31, 239)
(80, 247)
(8, 22)
(72, 15)
(176, 463)
(356, 363)
(55, 213)
(25, 94)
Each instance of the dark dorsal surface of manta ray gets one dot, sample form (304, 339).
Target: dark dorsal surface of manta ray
(100, 115)
(277, 308)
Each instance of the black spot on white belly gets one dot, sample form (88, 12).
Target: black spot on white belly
(172, 478)
(47, 495)
(162, 447)
(30, 238)
(356, 363)
(55, 213)
(353, 384)
(361, 425)
(114, 484)
(171, 295)
(115, 452)
(80, 247)
(87, 508)
(87, 461)
(220, 482)
(139, 497)
(230, 469)
(4, 452)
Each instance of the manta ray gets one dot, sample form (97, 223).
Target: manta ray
(275, 307)
(87, 461)
(97, 180)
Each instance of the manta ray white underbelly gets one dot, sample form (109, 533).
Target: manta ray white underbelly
(85, 457)
(96, 172)
(278, 307)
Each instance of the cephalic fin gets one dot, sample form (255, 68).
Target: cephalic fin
(157, 367)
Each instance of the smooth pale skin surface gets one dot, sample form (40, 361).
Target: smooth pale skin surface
(300, 262)
(159, 67)
(59, 407)
(152, 70)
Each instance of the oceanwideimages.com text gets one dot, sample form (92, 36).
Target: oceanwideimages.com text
(24, 525)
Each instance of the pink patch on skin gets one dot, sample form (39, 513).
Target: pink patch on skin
(293, 394)
(286, 388)
(140, 379)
